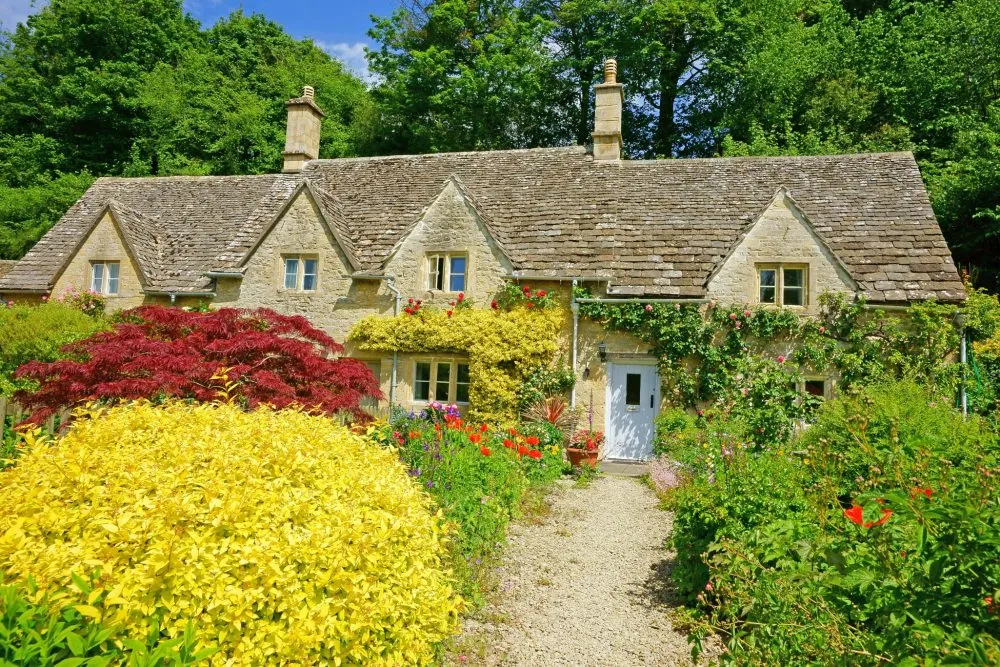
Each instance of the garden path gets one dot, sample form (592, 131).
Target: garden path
(585, 585)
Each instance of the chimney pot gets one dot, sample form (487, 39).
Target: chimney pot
(610, 71)
(308, 92)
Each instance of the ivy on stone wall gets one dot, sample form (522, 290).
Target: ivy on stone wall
(506, 347)
(749, 361)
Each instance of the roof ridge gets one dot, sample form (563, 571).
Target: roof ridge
(770, 158)
(209, 177)
(582, 150)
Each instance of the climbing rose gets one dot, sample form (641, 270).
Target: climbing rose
(494, 305)
(747, 313)
(531, 440)
(781, 359)
(649, 307)
(733, 316)
(540, 293)
(535, 454)
(485, 451)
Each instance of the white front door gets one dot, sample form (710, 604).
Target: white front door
(632, 399)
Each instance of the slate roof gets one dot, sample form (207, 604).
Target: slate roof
(652, 228)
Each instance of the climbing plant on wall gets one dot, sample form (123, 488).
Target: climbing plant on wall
(748, 361)
(506, 345)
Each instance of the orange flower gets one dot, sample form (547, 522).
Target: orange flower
(483, 428)
(522, 450)
(509, 444)
(475, 438)
(918, 491)
(414, 435)
(854, 514)
(535, 454)
(886, 513)
(485, 451)
(531, 440)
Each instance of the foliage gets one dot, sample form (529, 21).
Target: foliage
(543, 383)
(877, 540)
(28, 210)
(747, 362)
(34, 633)
(257, 357)
(185, 511)
(551, 411)
(38, 333)
(477, 474)
(983, 326)
(505, 347)
(587, 439)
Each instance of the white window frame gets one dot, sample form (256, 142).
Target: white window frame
(435, 276)
(108, 286)
(452, 381)
(779, 269)
(300, 272)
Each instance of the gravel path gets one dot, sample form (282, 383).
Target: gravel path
(585, 586)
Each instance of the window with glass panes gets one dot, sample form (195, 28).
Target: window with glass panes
(447, 272)
(105, 277)
(300, 273)
(782, 284)
(444, 381)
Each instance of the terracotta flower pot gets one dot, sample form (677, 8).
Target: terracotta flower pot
(579, 457)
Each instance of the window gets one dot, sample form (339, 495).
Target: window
(633, 388)
(301, 273)
(104, 277)
(815, 388)
(447, 272)
(782, 285)
(444, 381)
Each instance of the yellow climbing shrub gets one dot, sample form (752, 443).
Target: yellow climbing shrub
(504, 347)
(283, 537)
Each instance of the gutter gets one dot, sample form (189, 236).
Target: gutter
(575, 307)
(173, 295)
(641, 300)
(224, 274)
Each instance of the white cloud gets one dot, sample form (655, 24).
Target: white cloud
(13, 12)
(352, 55)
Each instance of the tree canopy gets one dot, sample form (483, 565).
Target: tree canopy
(94, 87)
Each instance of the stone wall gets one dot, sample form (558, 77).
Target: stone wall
(104, 243)
(780, 235)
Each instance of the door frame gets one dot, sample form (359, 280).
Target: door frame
(608, 407)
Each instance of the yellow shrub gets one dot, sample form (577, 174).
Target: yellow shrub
(282, 536)
(504, 347)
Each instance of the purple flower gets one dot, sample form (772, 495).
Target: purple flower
(427, 448)
(415, 472)
(430, 484)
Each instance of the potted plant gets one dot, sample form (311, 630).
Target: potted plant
(584, 447)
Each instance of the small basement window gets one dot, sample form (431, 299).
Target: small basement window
(815, 388)
(301, 273)
(447, 272)
(782, 285)
(105, 277)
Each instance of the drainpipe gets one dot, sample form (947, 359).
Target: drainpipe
(960, 321)
(575, 307)
(390, 282)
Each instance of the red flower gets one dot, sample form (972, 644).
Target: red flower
(408, 310)
(530, 305)
(509, 444)
(449, 313)
(410, 301)
(591, 445)
(916, 491)
(522, 450)
(781, 359)
(475, 438)
(855, 514)
(494, 305)
(414, 435)
(485, 451)
(512, 431)
(461, 296)
(540, 293)
(532, 440)
(535, 454)
(526, 290)
(483, 428)
(886, 513)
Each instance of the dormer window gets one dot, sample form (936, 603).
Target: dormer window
(447, 272)
(782, 284)
(301, 273)
(104, 277)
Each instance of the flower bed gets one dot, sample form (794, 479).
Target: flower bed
(873, 535)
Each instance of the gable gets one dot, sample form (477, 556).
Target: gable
(781, 234)
(104, 242)
(451, 223)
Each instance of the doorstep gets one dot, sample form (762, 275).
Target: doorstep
(624, 467)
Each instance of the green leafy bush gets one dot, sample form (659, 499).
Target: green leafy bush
(38, 333)
(877, 539)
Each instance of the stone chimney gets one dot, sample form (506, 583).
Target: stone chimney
(608, 115)
(302, 134)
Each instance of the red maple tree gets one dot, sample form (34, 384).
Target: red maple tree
(155, 352)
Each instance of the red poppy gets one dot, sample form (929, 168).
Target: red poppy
(531, 440)
(414, 435)
(535, 454)
(522, 450)
(886, 513)
(509, 444)
(483, 428)
(512, 430)
(485, 451)
(918, 491)
(855, 514)
(475, 437)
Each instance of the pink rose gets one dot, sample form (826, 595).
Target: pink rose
(781, 359)
(732, 316)
(747, 313)
(649, 307)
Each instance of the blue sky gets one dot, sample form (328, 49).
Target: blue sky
(339, 26)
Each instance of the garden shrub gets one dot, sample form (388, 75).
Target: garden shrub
(284, 537)
(38, 333)
(478, 475)
(877, 539)
(505, 347)
(255, 356)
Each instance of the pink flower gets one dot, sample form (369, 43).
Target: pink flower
(733, 316)
(747, 313)
(649, 307)
(745, 391)
(739, 325)
(677, 306)
(781, 359)
(822, 330)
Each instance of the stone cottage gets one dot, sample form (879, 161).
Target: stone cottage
(337, 240)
